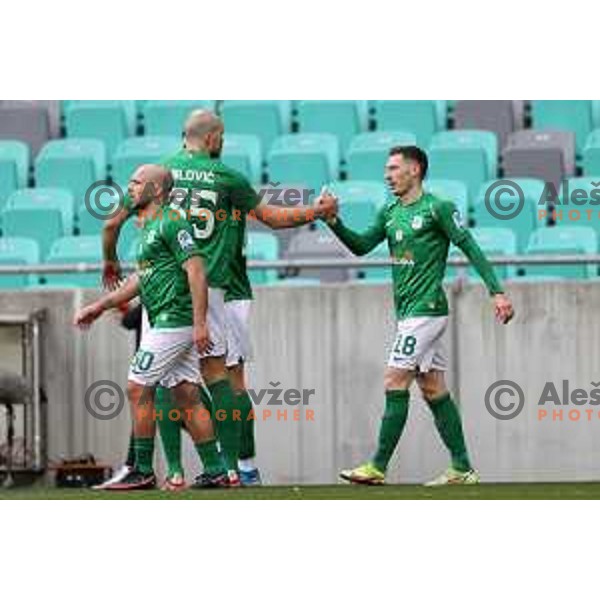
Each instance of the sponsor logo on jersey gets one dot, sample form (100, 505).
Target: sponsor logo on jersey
(186, 241)
(150, 236)
(417, 223)
(406, 260)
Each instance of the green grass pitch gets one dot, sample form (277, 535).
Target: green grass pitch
(522, 491)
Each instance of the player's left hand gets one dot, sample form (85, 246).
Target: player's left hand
(503, 309)
(202, 338)
(87, 315)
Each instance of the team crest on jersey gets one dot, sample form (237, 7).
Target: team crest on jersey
(458, 220)
(186, 241)
(399, 235)
(417, 223)
(151, 236)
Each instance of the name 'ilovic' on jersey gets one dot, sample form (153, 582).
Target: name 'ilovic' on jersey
(193, 175)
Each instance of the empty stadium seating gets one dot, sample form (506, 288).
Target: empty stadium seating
(591, 154)
(262, 246)
(522, 223)
(564, 115)
(564, 239)
(368, 152)
(14, 168)
(266, 119)
(137, 151)
(545, 155)
(500, 116)
(18, 251)
(74, 164)
(74, 250)
(167, 117)
(319, 243)
(110, 121)
(27, 123)
(343, 118)
(303, 145)
(469, 156)
(311, 157)
(421, 117)
(244, 153)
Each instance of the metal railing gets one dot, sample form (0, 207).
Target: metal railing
(348, 263)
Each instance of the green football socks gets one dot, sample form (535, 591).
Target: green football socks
(227, 418)
(448, 422)
(392, 426)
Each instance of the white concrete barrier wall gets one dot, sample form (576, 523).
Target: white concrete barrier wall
(334, 340)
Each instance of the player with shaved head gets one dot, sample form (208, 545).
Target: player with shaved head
(216, 200)
(170, 278)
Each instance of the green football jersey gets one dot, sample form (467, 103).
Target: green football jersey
(239, 287)
(418, 237)
(164, 246)
(213, 196)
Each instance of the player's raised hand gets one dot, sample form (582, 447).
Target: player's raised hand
(111, 275)
(87, 315)
(202, 338)
(503, 309)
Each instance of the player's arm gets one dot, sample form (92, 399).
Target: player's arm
(90, 313)
(194, 267)
(111, 272)
(245, 198)
(360, 243)
(448, 218)
(178, 235)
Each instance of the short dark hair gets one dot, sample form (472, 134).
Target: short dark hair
(415, 154)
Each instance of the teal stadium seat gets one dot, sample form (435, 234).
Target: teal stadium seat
(14, 168)
(563, 239)
(267, 119)
(448, 189)
(18, 251)
(584, 212)
(110, 121)
(44, 217)
(494, 241)
(564, 115)
(137, 151)
(368, 153)
(360, 191)
(262, 246)
(312, 158)
(167, 117)
(46, 198)
(591, 155)
(468, 156)
(128, 240)
(342, 118)
(244, 154)
(75, 250)
(421, 117)
(525, 222)
(72, 164)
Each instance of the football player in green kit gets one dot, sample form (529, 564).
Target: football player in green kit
(170, 279)
(418, 228)
(215, 198)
